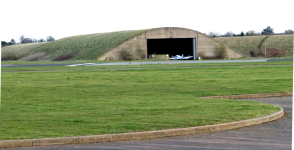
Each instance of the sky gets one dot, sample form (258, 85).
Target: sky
(63, 18)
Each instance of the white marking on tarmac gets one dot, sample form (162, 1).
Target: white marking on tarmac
(85, 64)
(166, 62)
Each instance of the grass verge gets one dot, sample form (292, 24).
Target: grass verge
(74, 103)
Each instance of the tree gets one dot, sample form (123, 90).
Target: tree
(228, 34)
(3, 43)
(41, 40)
(242, 33)
(49, 39)
(26, 40)
(289, 31)
(34, 40)
(21, 38)
(13, 41)
(214, 34)
(267, 31)
(250, 33)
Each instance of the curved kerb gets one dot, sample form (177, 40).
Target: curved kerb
(139, 135)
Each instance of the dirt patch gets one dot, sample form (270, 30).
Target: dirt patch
(65, 57)
(273, 52)
(270, 52)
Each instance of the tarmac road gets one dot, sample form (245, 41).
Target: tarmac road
(136, 63)
(144, 63)
(275, 135)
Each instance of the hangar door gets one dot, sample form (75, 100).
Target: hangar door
(172, 46)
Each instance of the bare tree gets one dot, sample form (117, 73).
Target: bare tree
(34, 40)
(49, 38)
(12, 42)
(21, 38)
(41, 40)
(228, 34)
(289, 31)
(250, 33)
(214, 34)
(26, 40)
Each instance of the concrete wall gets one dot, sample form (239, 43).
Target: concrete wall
(160, 56)
(204, 44)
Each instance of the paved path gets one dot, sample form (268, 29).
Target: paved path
(276, 135)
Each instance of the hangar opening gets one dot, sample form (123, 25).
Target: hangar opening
(171, 46)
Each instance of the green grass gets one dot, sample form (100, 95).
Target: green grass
(246, 44)
(90, 47)
(146, 66)
(87, 47)
(20, 50)
(73, 103)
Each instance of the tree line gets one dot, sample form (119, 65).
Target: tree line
(267, 31)
(24, 40)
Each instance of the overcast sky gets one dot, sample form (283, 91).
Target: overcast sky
(62, 18)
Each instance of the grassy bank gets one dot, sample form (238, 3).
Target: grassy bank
(80, 47)
(15, 52)
(245, 44)
(72, 103)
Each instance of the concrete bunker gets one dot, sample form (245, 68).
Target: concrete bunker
(168, 40)
(171, 46)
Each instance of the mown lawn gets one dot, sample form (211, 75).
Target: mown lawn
(48, 68)
(92, 102)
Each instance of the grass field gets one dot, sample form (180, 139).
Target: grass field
(128, 66)
(91, 102)
(245, 44)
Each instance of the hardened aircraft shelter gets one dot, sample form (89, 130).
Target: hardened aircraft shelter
(169, 41)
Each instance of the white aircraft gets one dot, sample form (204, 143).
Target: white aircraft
(178, 57)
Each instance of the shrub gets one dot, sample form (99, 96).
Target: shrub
(141, 53)
(126, 54)
(201, 54)
(253, 53)
(221, 51)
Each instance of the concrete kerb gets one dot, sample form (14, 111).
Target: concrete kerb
(146, 134)
(139, 135)
(246, 96)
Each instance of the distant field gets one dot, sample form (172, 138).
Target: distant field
(91, 102)
(246, 44)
